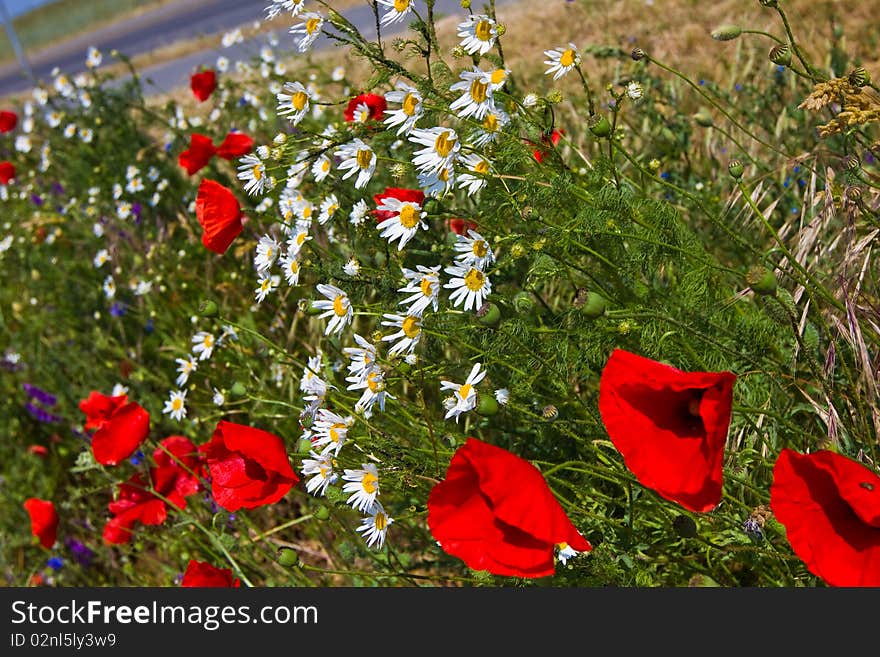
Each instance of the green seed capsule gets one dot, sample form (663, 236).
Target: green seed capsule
(208, 308)
(489, 315)
(594, 306)
(762, 281)
(237, 390)
(288, 557)
(736, 169)
(322, 513)
(486, 404)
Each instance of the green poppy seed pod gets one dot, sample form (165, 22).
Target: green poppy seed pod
(322, 513)
(781, 54)
(685, 526)
(594, 306)
(237, 390)
(489, 315)
(859, 77)
(208, 308)
(726, 32)
(762, 281)
(703, 118)
(486, 404)
(308, 307)
(736, 169)
(303, 446)
(852, 163)
(523, 303)
(600, 126)
(638, 54)
(288, 557)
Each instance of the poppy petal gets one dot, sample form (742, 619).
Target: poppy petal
(44, 520)
(235, 145)
(199, 153)
(121, 435)
(203, 574)
(219, 214)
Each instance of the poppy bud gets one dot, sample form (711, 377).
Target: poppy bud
(762, 281)
(486, 404)
(237, 390)
(703, 118)
(208, 308)
(726, 32)
(781, 54)
(288, 557)
(685, 526)
(489, 315)
(859, 77)
(594, 306)
(322, 513)
(736, 169)
(852, 162)
(768, 3)
(600, 126)
(523, 303)
(550, 412)
(638, 54)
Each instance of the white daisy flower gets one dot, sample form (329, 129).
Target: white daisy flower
(330, 431)
(253, 172)
(493, 123)
(308, 30)
(437, 183)
(304, 209)
(352, 267)
(476, 99)
(203, 344)
(423, 287)
(565, 552)
(404, 223)
(478, 34)
(319, 469)
(338, 74)
(473, 250)
(185, 367)
(329, 206)
(298, 237)
(337, 307)
(561, 60)
(407, 337)
(93, 57)
(410, 108)
(464, 396)
(219, 398)
(441, 148)
(477, 169)
(357, 157)
(359, 212)
(175, 406)
(267, 285)
(397, 10)
(363, 359)
(277, 6)
(290, 267)
(363, 484)
(635, 91)
(373, 386)
(470, 284)
(222, 64)
(118, 389)
(101, 257)
(293, 101)
(268, 250)
(502, 396)
(321, 167)
(375, 525)
(109, 284)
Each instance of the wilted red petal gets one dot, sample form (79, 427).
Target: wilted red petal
(203, 574)
(670, 426)
(830, 507)
(219, 214)
(236, 144)
(199, 153)
(121, 435)
(8, 121)
(203, 84)
(44, 520)
(7, 172)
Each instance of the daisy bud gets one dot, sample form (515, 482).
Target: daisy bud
(458, 52)
(486, 404)
(762, 281)
(703, 118)
(726, 32)
(208, 308)
(288, 557)
(600, 126)
(500, 29)
(398, 171)
(638, 54)
(859, 77)
(489, 315)
(685, 526)
(322, 513)
(465, 4)
(634, 90)
(523, 303)
(735, 168)
(554, 96)
(654, 164)
(781, 54)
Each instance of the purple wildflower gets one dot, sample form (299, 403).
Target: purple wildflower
(45, 398)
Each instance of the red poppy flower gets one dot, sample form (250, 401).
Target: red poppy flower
(249, 467)
(203, 574)
(174, 477)
(7, 172)
(410, 195)
(8, 121)
(670, 426)
(461, 226)
(44, 520)
(219, 213)
(98, 408)
(38, 450)
(830, 507)
(375, 104)
(121, 434)
(236, 144)
(199, 153)
(495, 512)
(555, 136)
(203, 84)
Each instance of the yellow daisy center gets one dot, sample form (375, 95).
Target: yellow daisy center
(334, 431)
(474, 280)
(339, 306)
(483, 30)
(562, 545)
(490, 123)
(408, 216)
(567, 57)
(411, 326)
(364, 158)
(299, 100)
(410, 104)
(294, 266)
(479, 248)
(257, 171)
(307, 211)
(443, 144)
(380, 522)
(325, 166)
(312, 25)
(478, 91)
(499, 75)
(370, 483)
(443, 176)
(426, 286)
(332, 210)
(177, 404)
(482, 167)
(372, 383)
(300, 238)
(465, 390)
(208, 342)
(400, 6)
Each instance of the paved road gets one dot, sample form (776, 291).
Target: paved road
(182, 20)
